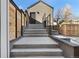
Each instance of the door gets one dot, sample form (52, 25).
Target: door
(32, 18)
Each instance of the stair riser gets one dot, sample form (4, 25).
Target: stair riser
(39, 57)
(35, 33)
(27, 35)
(55, 32)
(17, 54)
(35, 46)
(36, 27)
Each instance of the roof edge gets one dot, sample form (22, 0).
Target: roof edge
(37, 3)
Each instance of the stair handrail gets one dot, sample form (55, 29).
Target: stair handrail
(43, 19)
(48, 25)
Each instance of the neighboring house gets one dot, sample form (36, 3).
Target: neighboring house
(39, 12)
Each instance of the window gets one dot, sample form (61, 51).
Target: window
(37, 12)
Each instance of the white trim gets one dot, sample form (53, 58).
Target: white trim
(0, 28)
(4, 29)
(8, 31)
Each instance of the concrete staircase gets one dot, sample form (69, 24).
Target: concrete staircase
(36, 50)
(35, 30)
(35, 33)
(36, 43)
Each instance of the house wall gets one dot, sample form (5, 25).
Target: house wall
(70, 29)
(12, 11)
(43, 10)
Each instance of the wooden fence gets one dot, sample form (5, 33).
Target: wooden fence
(17, 19)
(23, 18)
(70, 29)
(18, 23)
(12, 12)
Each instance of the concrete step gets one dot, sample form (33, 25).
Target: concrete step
(54, 32)
(34, 30)
(36, 52)
(39, 57)
(36, 26)
(35, 35)
(35, 41)
(18, 46)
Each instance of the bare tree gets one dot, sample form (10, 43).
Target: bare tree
(58, 17)
(63, 14)
(67, 12)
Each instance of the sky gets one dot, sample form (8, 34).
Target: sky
(57, 4)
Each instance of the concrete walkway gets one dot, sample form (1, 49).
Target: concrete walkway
(35, 40)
